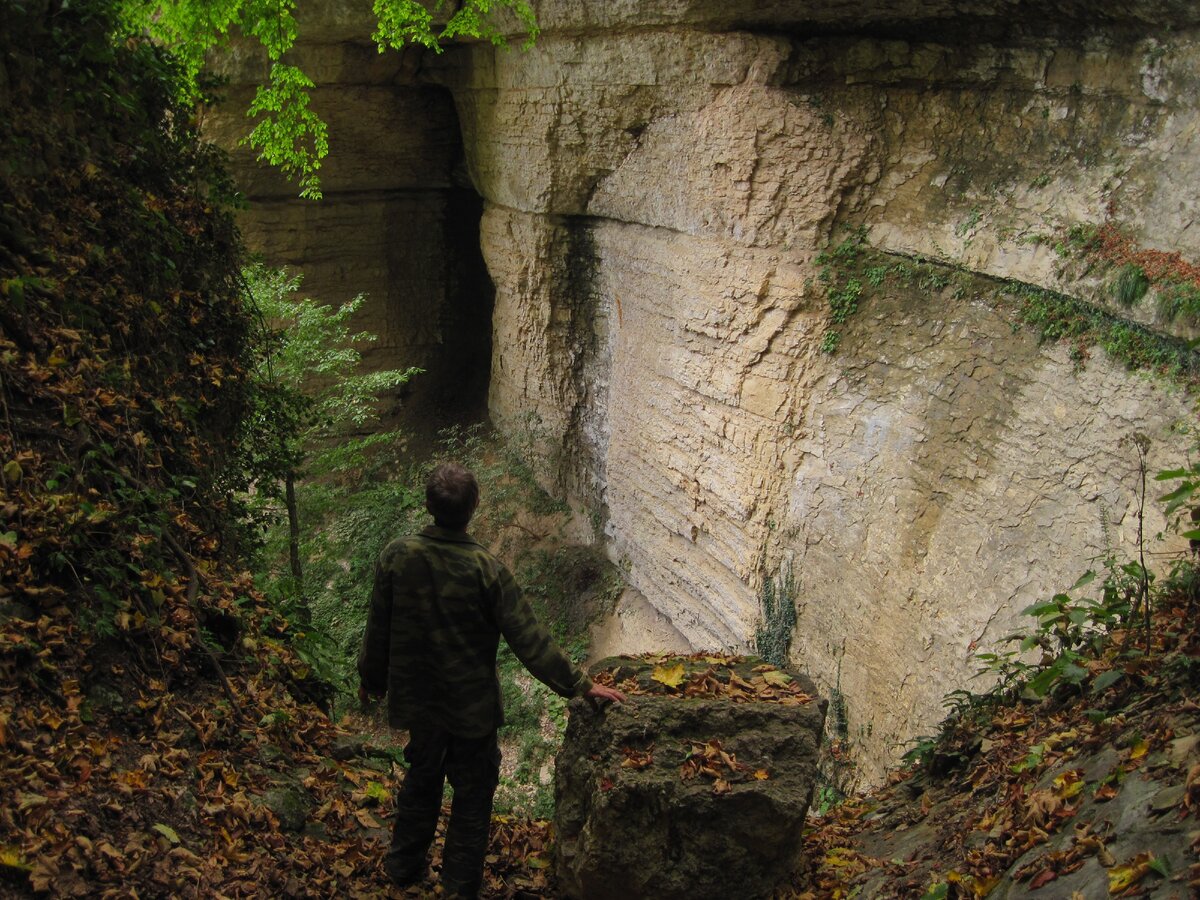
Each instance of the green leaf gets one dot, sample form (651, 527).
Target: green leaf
(1037, 609)
(1160, 865)
(1106, 680)
(168, 832)
(1168, 474)
(1073, 674)
(1180, 493)
(1086, 578)
(1042, 682)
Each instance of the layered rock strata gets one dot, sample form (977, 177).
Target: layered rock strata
(659, 181)
(657, 200)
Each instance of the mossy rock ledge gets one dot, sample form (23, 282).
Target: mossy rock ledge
(696, 787)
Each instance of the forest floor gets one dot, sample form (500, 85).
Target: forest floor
(114, 787)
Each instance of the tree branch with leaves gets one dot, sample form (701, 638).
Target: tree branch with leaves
(288, 133)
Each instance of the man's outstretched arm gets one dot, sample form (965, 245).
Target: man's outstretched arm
(537, 650)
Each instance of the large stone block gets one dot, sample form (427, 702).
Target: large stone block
(695, 791)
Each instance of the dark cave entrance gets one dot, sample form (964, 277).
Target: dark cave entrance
(442, 281)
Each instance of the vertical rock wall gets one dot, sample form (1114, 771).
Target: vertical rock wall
(657, 197)
(658, 181)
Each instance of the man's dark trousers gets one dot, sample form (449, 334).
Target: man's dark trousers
(472, 766)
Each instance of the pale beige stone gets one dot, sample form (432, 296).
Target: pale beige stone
(657, 186)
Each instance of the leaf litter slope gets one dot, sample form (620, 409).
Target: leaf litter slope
(1089, 792)
(155, 739)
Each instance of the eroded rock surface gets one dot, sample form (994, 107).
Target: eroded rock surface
(658, 180)
(677, 796)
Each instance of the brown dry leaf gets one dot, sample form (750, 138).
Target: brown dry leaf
(366, 820)
(776, 678)
(1041, 806)
(637, 759)
(738, 683)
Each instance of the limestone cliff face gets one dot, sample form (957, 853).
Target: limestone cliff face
(658, 179)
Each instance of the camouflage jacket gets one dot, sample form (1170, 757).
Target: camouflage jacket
(438, 609)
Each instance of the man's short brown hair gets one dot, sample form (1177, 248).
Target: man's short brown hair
(451, 495)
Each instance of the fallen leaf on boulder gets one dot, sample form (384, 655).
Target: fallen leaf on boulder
(671, 676)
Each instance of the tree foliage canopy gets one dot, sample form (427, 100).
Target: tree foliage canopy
(288, 133)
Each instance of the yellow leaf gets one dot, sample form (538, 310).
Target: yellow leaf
(11, 859)
(671, 676)
(1121, 877)
(762, 775)
(832, 858)
(981, 887)
(168, 832)
(12, 472)
(777, 678)
(1139, 750)
(1069, 784)
(1062, 737)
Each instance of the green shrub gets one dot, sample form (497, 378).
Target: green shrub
(777, 616)
(1130, 286)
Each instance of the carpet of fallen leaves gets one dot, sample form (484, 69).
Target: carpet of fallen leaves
(1030, 774)
(156, 732)
(181, 793)
(739, 679)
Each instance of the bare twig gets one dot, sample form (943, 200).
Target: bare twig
(1142, 444)
(193, 589)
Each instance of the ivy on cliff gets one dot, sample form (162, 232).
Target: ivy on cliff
(853, 273)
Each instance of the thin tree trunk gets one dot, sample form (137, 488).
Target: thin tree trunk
(294, 544)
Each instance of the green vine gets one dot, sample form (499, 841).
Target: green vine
(854, 273)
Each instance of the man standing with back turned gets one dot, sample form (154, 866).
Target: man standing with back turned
(438, 608)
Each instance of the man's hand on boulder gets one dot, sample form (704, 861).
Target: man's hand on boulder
(601, 692)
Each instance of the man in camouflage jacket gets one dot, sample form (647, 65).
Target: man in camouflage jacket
(438, 609)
